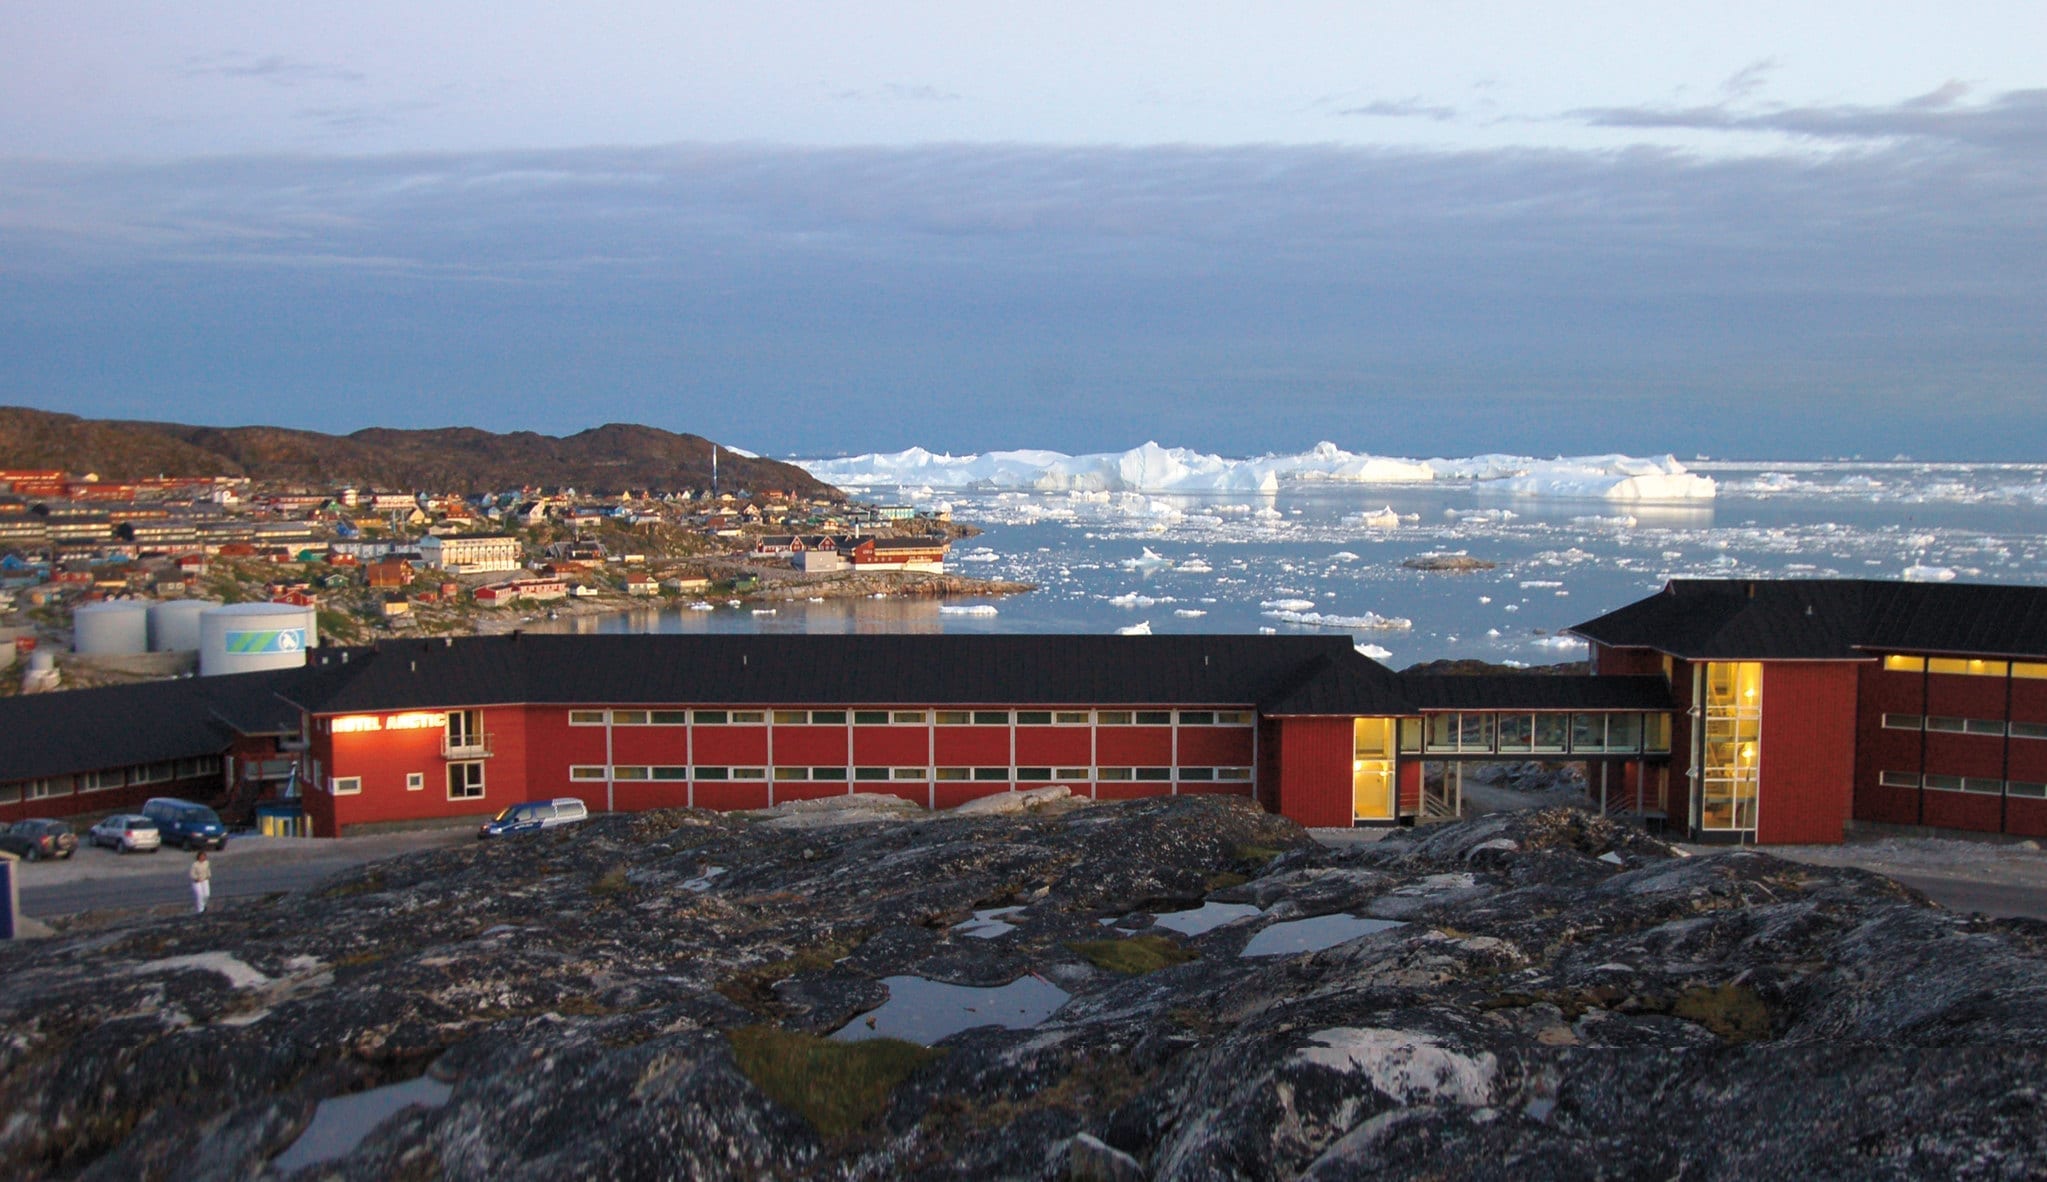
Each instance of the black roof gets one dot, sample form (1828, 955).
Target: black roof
(798, 669)
(69, 731)
(1828, 619)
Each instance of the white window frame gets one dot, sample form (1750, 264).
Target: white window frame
(415, 781)
(585, 773)
(344, 785)
(479, 785)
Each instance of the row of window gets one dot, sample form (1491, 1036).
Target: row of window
(838, 775)
(1942, 724)
(1525, 733)
(909, 717)
(1965, 666)
(106, 781)
(465, 782)
(1980, 785)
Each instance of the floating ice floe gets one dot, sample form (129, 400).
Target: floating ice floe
(1143, 629)
(1287, 605)
(1371, 621)
(1384, 518)
(1133, 599)
(1370, 650)
(1189, 613)
(1918, 573)
(1152, 468)
(967, 609)
(1147, 560)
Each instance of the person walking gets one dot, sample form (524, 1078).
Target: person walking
(202, 882)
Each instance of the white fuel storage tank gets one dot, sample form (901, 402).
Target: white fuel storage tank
(111, 627)
(174, 624)
(245, 637)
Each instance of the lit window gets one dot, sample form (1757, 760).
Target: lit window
(955, 773)
(2028, 669)
(792, 773)
(1116, 773)
(587, 772)
(624, 772)
(629, 718)
(1070, 773)
(1233, 718)
(1898, 664)
(749, 773)
(1113, 718)
(954, 717)
(910, 773)
(791, 717)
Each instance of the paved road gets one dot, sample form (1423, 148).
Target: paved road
(2004, 900)
(172, 886)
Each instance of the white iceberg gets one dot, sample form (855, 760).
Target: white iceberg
(1143, 629)
(1920, 573)
(968, 609)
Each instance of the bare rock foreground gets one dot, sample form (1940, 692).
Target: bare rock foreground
(642, 997)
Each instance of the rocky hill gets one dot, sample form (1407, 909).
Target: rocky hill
(1535, 996)
(610, 458)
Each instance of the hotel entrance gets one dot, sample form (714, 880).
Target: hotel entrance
(1372, 783)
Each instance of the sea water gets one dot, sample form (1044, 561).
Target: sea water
(1248, 562)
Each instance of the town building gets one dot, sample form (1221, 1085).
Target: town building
(471, 553)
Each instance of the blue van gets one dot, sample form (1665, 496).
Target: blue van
(534, 816)
(185, 823)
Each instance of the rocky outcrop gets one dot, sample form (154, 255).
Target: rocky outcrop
(1560, 998)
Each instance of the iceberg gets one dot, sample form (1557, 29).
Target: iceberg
(1143, 629)
(1152, 468)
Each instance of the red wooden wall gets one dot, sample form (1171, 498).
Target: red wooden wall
(1807, 774)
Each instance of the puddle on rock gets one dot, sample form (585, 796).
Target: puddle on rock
(702, 882)
(987, 925)
(340, 1123)
(1313, 935)
(921, 1010)
(1206, 918)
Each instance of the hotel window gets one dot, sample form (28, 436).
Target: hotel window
(345, 785)
(2029, 730)
(1233, 718)
(586, 718)
(632, 772)
(790, 718)
(749, 717)
(1154, 718)
(1949, 726)
(1898, 779)
(100, 781)
(1197, 773)
(792, 773)
(1732, 742)
(1197, 718)
(415, 781)
(1113, 717)
(2025, 788)
(954, 717)
(1967, 667)
(49, 786)
(749, 773)
(628, 718)
(155, 773)
(2028, 669)
(671, 772)
(1903, 722)
(1034, 774)
(1034, 718)
(10, 794)
(465, 780)
(1233, 773)
(1517, 732)
(712, 718)
(992, 774)
(704, 772)
(667, 717)
(1623, 732)
(870, 773)
(1551, 731)
(1898, 664)
(1983, 726)
(586, 771)
(828, 774)
(1656, 732)
(911, 773)
(1069, 718)
(1982, 786)
(907, 717)
(1371, 767)
(1588, 732)
(827, 718)
(1410, 735)
(1116, 773)
(872, 718)
(1943, 783)
(205, 765)
(991, 718)
(1155, 773)
(955, 773)
(1069, 773)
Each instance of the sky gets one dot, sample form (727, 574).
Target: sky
(1756, 230)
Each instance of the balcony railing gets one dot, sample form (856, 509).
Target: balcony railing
(467, 746)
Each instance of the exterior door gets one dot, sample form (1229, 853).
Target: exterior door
(1371, 770)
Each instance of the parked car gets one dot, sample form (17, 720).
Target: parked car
(185, 823)
(45, 838)
(127, 833)
(533, 816)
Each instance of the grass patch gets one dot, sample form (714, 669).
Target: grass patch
(1734, 1012)
(838, 1087)
(1138, 954)
(1260, 854)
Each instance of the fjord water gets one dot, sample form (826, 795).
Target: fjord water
(1225, 559)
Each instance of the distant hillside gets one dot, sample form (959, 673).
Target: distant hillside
(610, 458)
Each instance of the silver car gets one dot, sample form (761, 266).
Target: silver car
(126, 832)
